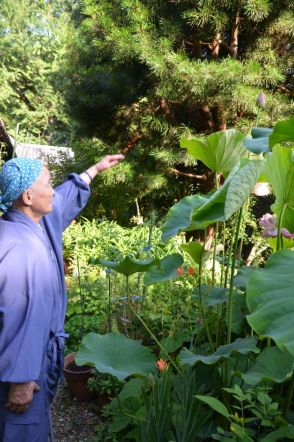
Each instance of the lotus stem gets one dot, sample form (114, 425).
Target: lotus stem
(289, 396)
(231, 287)
(156, 340)
(201, 303)
(279, 236)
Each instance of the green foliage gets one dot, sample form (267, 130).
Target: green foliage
(242, 346)
(270, 299)
(31, 45)
(219, 151)
(139, 76)
(115, 354)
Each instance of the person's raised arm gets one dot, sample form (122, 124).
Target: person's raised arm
(106, 163)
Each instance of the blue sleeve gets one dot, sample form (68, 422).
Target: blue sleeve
(23, 331)
(70, 198)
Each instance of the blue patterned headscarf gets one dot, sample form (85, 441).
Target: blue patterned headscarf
(16, 176)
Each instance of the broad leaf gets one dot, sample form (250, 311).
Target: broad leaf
(172, 343)
(242, 277)
(215, 404)
(166, 270)
(179, 216)
(243, 346)
(115, 354)
(219, 151)
(271, 364)
(132, 388)
(212, 295)
(195, 250)
(279, 170)
(283, 132)
(270, 299)
(231, 195)
(259, 142)
(128, 266)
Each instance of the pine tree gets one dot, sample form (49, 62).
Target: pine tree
(140, 74)
(31, 40)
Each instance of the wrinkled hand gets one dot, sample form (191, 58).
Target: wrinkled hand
(20, 396)
(109, 161)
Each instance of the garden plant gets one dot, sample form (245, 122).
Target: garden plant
(227, 372)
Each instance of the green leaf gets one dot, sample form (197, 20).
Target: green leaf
(132, 388)
(283, 132)
(128, 266)
(179, 216)
(172, 343)
(279, 170)
(231, 195)
(219, 151)
(166, 270)
(270, 300)
(115, 354)
(280, 434)
(242, 277)
(212, 295)
(195, 250)
(260, 140)
(215, 404)
(119, 422)
(271, 364)
(243, 346)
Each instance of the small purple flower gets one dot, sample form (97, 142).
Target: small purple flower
(286, 233)
(269, 222)
(260, 101)
(108, 270)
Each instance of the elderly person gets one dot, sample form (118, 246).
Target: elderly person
(32, 290)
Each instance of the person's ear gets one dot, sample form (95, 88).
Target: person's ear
(27, 197)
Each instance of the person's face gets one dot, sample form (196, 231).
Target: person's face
(42, 193)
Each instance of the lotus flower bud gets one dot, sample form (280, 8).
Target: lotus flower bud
(260, 101)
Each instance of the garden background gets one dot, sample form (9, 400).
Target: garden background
(199, 97)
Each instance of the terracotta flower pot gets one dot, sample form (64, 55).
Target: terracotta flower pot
(77, 378)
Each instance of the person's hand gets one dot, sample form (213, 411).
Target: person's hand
(20, 396)
(109, 161)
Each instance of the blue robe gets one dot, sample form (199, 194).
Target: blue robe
(32, 307)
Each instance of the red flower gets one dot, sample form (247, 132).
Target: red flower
(191, 271)
(161, 364)
(180, 271)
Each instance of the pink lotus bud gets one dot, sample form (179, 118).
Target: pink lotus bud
(260, 101)
(268, 221)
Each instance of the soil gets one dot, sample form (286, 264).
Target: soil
(78, 368)
(74, 421)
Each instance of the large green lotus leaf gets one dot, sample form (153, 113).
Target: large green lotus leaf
(179, 216)
(195, 250)
(271, 364)
(220, 151)
(257, 145)
(231, 195)
(270, 299)
(283, 132)
(261, 132)
(243, 346)
(128, 266)
(279, 170)
(166, 270)
(259, 142)
(115, 354)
